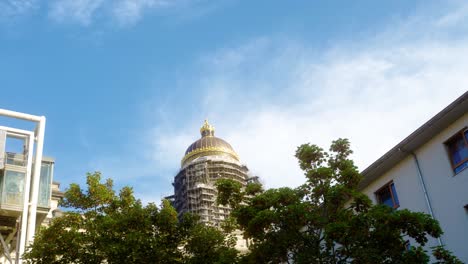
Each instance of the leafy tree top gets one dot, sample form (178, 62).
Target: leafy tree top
(327, 219)
(101, 226)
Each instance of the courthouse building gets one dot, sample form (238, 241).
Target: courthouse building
(205, 161)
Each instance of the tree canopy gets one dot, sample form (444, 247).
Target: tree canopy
(327, 220)
(102, 226)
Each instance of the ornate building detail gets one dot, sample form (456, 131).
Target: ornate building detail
(206, 160)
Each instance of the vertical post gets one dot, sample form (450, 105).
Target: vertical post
(35, 180)
(2, 148)
(17, 253)
(27, 189)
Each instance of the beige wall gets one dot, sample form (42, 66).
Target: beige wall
(447, 192)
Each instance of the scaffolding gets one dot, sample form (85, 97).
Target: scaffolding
(206, 161)
(195, 189)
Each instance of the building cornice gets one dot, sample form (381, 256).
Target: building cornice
(419, 137)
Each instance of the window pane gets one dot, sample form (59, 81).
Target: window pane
(461, 167)
(395, 196)
(458, 150)
(13, 189)
(385, 197)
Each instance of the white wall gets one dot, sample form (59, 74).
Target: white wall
(447, 192)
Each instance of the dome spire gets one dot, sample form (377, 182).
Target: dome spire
(208, 145)
(207, 130)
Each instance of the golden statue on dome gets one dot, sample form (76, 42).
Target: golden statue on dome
(207, 129)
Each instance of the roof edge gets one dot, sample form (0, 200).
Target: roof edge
(409, 144)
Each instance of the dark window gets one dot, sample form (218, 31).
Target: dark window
(387, 195)
(458, 151)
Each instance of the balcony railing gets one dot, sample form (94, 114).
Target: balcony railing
(15, 159)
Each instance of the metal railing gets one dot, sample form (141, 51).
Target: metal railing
(15, 159)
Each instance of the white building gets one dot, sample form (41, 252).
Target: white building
(428, 172)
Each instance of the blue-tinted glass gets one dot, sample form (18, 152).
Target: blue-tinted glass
(385, 197)
(395, 196)
(458, 150)
(461, 167)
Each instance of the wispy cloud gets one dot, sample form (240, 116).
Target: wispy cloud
(130, 11)
(123, 12)
(120, 13)
(13, 8)
(270, 95)
(106, 13)
(76, 11)
(455, 18)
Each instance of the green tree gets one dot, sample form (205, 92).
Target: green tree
(209, 245)
(327, 220)
(101, 226)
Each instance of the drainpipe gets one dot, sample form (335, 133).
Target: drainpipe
(426, 195)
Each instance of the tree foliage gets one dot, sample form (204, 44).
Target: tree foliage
(327, 220)
(102, 226)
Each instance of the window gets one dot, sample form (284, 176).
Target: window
(387, 195)
(458, 150)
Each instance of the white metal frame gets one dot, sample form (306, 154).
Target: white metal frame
(28, 219)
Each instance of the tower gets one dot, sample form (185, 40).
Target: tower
(205, 161)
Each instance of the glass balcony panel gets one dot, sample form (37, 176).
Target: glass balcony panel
(13, 188)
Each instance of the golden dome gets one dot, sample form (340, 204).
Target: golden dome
(208, 145)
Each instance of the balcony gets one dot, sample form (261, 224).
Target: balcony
(13, 183)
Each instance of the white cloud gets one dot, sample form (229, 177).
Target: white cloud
(124, 12)
(130, 11)
(77, 11)
(458, 16)
(269, 96)
(13, 8)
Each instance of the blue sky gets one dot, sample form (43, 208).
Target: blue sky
(126, 84)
